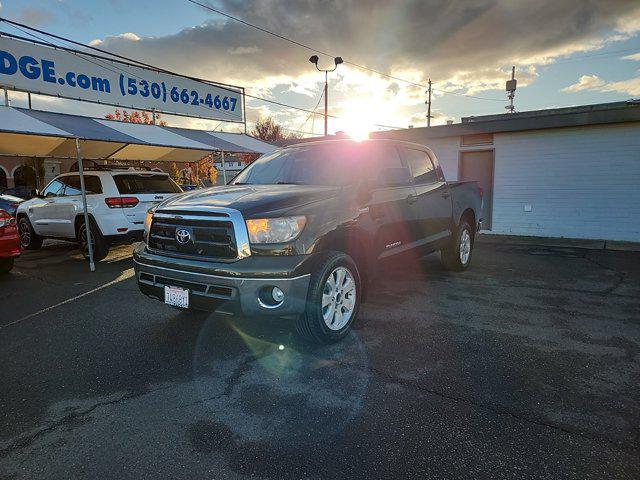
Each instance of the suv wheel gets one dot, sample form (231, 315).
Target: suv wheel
(29, 240)
(457, 256)
(100, 247)
(333, 300)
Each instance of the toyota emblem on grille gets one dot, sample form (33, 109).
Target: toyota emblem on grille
(183, 236)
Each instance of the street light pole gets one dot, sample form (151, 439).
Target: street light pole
(336, 61)
(326, 103)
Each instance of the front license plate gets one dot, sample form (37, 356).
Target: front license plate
(176, 296)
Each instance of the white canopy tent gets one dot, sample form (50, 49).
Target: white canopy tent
(34, 133)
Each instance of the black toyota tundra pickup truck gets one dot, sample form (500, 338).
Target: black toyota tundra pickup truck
(301, 231)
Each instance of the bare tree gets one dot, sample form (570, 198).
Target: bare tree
(269, 130)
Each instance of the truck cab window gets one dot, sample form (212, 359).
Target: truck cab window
(422, 168)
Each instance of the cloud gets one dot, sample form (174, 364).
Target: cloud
(630, 87)
(129, 36)
(595, 83)
(243, 50)
(586, 82)
(635, 56)
(464, 46)
(441, 40)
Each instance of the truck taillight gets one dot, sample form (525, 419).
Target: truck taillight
(481, 191)
(121, 202)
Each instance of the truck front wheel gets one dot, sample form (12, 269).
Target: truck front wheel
(457, 255)
(333, 300)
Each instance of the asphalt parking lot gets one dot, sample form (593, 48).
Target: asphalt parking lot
(525, 366)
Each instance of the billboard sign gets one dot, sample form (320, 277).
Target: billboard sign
(35, 68)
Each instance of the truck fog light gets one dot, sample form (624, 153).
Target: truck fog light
(270, 296)
(277, 294)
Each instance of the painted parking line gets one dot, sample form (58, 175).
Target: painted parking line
(122, 277)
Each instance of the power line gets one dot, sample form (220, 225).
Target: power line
(467, 95)
(308, 47)
(153, 67)
(601, 54)
(128, 59)
(95, 59)
(314, 110)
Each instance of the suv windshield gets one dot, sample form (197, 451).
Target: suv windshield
(328, 164)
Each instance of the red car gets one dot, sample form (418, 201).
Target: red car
(9, 241)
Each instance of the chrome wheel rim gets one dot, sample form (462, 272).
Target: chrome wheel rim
(338, 298)
(25, 234)
(465, 246)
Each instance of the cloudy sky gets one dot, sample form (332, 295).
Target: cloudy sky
(566, 52)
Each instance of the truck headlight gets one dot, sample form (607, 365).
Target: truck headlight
(275, 230)
(147, 223)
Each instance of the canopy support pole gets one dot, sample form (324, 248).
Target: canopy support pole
(6, 97)
(244, 110)
(224, 168)
(92, 265)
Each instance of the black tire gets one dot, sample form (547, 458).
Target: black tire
(451, 257)
(6, 264)
(29, 239)
(100, 246)
(311, 325)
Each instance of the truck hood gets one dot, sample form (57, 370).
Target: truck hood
(251, 199)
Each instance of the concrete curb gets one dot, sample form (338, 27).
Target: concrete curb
(492, 238)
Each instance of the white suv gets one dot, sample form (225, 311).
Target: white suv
(117, 203)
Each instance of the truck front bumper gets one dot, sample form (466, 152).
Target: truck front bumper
(226, 287)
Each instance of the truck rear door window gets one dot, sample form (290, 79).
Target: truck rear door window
(132, 184)
(420, 164)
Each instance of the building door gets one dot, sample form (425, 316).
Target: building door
(478, 166)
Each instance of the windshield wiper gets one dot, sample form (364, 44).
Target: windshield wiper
(289, 183)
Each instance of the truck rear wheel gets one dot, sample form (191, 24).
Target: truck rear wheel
(333, 300)
(457, 255)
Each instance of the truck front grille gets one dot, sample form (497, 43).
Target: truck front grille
(203, 237)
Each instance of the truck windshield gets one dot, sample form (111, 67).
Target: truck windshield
(307, 165)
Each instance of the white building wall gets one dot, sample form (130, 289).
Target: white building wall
(581, 182)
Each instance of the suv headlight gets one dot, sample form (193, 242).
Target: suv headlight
(275, 230)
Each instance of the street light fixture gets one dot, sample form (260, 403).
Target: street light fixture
(336, 61)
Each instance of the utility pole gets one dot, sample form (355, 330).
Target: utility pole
(428, 102)
(511, 90)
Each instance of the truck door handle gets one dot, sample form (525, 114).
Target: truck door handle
(411, 199)
(446, 195)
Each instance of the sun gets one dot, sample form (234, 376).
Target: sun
(357, 120)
